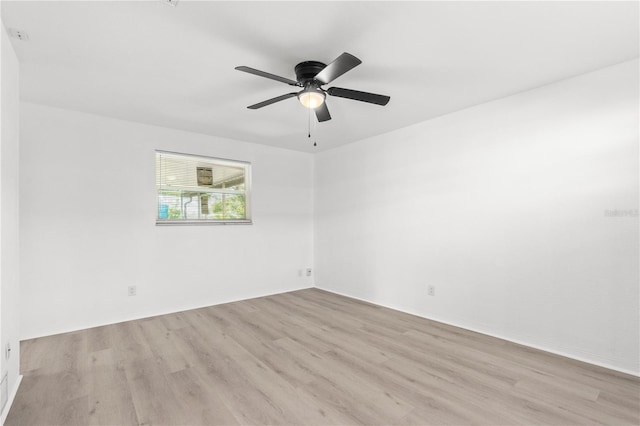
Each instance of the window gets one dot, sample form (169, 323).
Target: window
(201, 190)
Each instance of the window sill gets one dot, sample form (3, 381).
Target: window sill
(203, 222)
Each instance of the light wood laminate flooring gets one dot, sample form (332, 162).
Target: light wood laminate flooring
(308, 357)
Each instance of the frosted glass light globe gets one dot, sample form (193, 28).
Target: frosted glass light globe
(311, 99)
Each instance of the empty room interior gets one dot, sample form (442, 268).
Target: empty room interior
(319, 213)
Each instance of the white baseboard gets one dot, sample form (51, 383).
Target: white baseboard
(487, 333)
(12, 396)
(150, 314)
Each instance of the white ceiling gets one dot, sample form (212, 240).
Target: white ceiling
(153, 63)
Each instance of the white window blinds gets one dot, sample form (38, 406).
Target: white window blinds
(201, 190)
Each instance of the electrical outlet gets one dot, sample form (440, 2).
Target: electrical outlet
(431, 290)
(7, 351)
(132, 290)
(308, 272)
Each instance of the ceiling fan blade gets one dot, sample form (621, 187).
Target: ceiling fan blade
(267, 75)
(339, 66)
(356, 95)
(272, 100)
(322, 113)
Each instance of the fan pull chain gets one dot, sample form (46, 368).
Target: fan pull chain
(309, 129)
(315, 132)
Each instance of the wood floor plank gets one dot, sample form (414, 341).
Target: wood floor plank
(98, 339)
(161, 339)
(151, 394)
(200, 403)
(337, 333)
(337, 379)
(435, 408)
(127, 342)
(109, 396)
(453, 387)
(275, 357)
(220, 358)
(308, 357)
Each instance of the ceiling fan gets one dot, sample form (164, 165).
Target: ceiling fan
(311, 76)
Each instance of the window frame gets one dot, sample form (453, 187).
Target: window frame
(220, 161)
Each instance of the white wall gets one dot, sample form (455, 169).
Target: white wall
(502, 208)
(9, 237)
(88, 230)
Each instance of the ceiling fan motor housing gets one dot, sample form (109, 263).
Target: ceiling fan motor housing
(306, 71)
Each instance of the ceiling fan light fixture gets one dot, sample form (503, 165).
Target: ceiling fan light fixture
(311, 98)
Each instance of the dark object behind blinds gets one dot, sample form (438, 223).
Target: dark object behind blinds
(205, 176)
